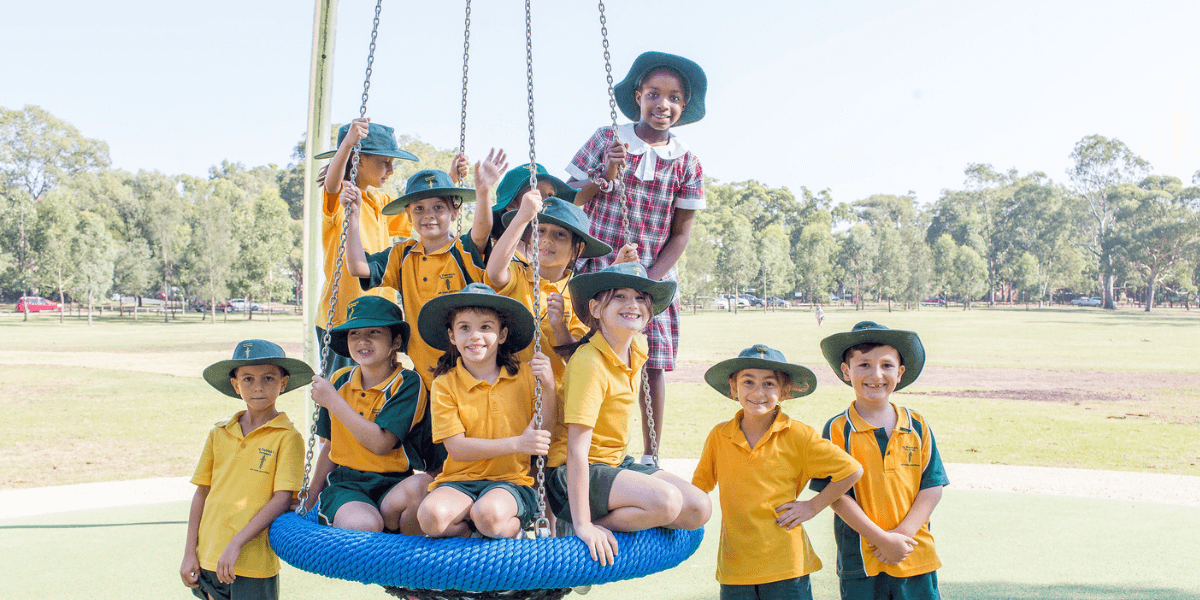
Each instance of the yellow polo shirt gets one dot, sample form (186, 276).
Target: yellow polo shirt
(601, 392)
(895, 469)
(397, 404)
(243, 472)
(478, 409)
(420, 277)
(754, 482)
(376, 230)
(520, 287)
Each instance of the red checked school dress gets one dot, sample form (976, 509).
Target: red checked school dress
(658, 179)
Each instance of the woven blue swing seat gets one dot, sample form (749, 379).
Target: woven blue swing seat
(475, 565)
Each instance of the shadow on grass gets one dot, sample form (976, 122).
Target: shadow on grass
(1003, 590)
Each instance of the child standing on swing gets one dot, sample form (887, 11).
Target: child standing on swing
(483, 401)
(591, 483)
(663, 186)
(375, 229)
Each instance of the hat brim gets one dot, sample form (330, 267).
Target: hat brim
(804, 381)
(907, 343)
(697, 83)
(585, 287)
(592, 247)
(338, 335)
(218, 374)
(396, 206)
(506, 197)
(401, 154)
(431, 322)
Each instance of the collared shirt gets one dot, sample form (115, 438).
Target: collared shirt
(376, 230)
(599, 391)
(420, 277)
(895, 469)
(243, 472)
(658, 180)
(754, 482)
(397, 404)
(478, 409)
(520, 287)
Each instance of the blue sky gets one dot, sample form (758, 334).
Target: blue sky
(857, 97)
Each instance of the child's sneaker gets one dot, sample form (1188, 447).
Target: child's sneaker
(647, 460)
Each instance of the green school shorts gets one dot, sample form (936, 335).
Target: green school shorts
(526, 497)
(886, 587)
(242, 588)
(798, 588)
(600, 482)
(348, 485)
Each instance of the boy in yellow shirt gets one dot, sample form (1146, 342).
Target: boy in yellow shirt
(250, 466)
(762, 460)
(437, 263)
(885, 549)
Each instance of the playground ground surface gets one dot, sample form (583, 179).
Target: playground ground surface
(1073, 434)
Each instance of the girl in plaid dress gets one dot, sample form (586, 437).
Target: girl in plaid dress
(663, 186)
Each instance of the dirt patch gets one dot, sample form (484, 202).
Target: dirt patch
(1012, 384)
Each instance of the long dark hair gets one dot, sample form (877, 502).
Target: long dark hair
(506, 357)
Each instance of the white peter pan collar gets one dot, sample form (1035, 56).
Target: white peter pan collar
(673, 149)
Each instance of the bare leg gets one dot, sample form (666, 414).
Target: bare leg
(399, 505)
(495, 514)
(444, 513)
(638, 501)
(358, 516)
(697, 506)
(658, 400)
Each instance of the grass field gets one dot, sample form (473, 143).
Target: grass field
(124, 400)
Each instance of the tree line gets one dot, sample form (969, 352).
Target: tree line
(74, 228)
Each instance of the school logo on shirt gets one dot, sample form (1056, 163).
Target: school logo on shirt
(910, 453)
(263, 455)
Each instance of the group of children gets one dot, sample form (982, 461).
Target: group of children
(451, 447)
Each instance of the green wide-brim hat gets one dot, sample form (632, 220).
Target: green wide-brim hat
(623, 275)
(907, 343)
(694, 79)
(430, 183)
(368, 311)
(431, 322)
(759, 356)
(514, 183)
(257, 352)
(380, 141)
(560, 212)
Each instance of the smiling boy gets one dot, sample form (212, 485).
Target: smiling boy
(885, 549)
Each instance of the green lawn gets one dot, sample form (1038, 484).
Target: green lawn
(993, 546)
(124, 400)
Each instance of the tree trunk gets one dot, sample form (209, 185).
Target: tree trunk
(1150, 289)
(249, 309)
(89, 308)
(60, 294)
(137, 302)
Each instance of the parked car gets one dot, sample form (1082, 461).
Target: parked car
(751, 300)
(1088, 301)
(933, 302)
(36, 304)
(777, 302)
(719, 304)
(200, 305)
(239, 305)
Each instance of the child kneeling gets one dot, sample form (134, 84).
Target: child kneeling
(484, 412)
(375, 417)
(762, 460)
(592, 483)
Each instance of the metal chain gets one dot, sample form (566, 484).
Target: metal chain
(337, 270)
(542, 525)
(617, 186)
(462, 124)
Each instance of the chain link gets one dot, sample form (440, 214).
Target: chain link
(617, 187)
(337, 270)
(462, 125)
(542, 525)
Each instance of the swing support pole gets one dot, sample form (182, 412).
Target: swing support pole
(320, 86)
